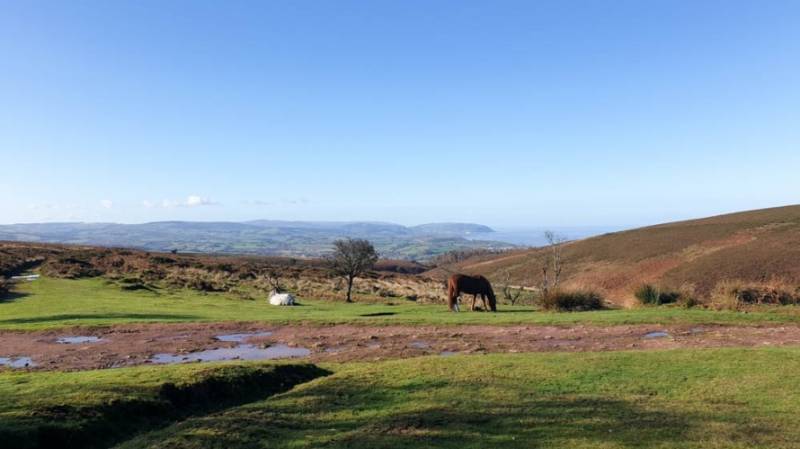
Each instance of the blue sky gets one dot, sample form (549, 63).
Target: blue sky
(508, 113)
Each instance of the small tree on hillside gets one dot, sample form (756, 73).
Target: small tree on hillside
(509, 294)
(554, 262)
(273, 280)
(351, 258)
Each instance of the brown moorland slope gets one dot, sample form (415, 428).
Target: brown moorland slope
(245, 275)
(757, 247)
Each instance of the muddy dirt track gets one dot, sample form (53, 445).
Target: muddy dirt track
(126, 345)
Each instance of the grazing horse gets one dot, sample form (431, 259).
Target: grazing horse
(471, 285)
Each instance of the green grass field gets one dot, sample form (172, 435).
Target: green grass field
(710, 398)
(50, 303)
(724, 398)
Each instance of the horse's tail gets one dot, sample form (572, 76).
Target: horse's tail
(492, 298)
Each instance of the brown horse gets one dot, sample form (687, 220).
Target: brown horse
(471, 285)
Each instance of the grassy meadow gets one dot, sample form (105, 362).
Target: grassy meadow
(686, 398)
(720, 398)
(52, 303)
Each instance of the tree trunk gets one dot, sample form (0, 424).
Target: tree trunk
(349, 289)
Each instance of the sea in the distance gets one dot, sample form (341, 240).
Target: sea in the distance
(536, 237)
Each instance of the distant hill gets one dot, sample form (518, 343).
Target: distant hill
(755, 246)
(262, 237)
(451, 228)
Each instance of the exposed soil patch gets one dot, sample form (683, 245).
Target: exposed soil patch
(135, 344)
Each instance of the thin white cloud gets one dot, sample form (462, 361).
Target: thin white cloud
(190, 201)
(108, 204)
(196, 200)
(52, 206)
(296, 201)
(282, 202)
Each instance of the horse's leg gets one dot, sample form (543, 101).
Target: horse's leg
(485, 304)
(473, 302)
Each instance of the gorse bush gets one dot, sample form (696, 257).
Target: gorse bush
(652, 295)
(571, 301)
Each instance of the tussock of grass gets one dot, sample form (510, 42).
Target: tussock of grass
(571, 301)
(649, 294)
(738, 295)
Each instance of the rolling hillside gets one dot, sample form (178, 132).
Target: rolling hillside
(260, 237)
(753, 247)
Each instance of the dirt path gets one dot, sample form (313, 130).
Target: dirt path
(126, 345)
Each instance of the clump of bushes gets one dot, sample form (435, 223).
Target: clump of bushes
(735, 295)
(649, 294)
(134, 283)
(70, 268)
(200, 280)
(652, 295)
(571, 301)
(385, 293)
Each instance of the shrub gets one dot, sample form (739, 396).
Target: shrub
(70, 268)
(690, 301)
(650, 294)
(735, 295)
(200, 280)
(571, 301)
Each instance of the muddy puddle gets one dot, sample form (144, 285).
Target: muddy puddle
(16, 362)
(25, 278)
(657, 334)
(78, 339)
(238, 338)
(241, 352)
(419, 344)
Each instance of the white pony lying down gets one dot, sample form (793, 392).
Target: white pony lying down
(281, 299)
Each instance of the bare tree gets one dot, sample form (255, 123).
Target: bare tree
(273, 280)
(554, 261)
(509, 293)
(351, 258)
